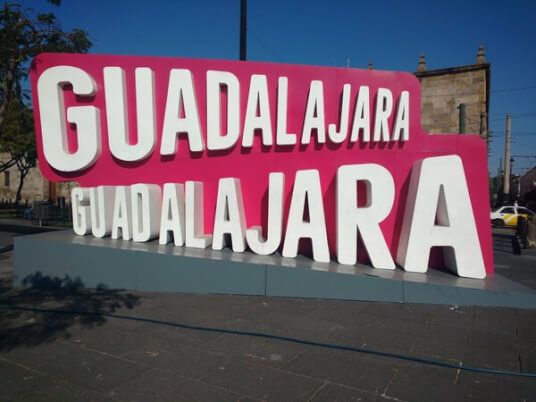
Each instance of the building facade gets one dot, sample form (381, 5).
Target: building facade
(444, 90)
(35, 188)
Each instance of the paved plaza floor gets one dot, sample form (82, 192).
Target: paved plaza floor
(74, 344)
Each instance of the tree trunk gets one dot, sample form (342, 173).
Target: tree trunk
(23, 170)
(19, 189)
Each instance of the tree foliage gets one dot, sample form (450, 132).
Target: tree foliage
(23, 35)
(18, 140)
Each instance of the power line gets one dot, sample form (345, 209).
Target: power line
(515, 134)
(478, 93)
(517, 116)
(513, 89)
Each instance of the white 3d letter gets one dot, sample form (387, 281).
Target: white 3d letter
(195, 236)
(307, 193)
(181, 97)
(146, 206)
(314, 114)
(172, 218)
(402, 118)
(230, 217)
(256, 243)
(100, 199)
(117, 114)
(384, 107)
(81, 222)
(438, 190)
(351, 219)
(282, 137)
(257, 98)
(340, 136)
(52, 113)
(122, 218)
(215, 139)
(361, 115)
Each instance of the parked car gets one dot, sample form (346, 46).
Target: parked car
(508, 215)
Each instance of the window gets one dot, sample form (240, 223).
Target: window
(6, 179)
(508, 210)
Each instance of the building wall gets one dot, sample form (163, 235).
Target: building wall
(528, 181)
(35, 188)
(444, 90)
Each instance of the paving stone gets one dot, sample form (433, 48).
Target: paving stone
(17, 384)
(443, 342)
(269, 352)
(61, 392)
(527, 360)
(492, 351)
(401, 312)
(286, 324)
(357, 370)
(157, 385)
(500, 321)
(293, 306)
(382, 336)
(262, 382)
(27, 329)
(38, 356)
(526, 335)
(496, 387)
(340, 312)
(93, 370)
(112, 340)
(196, 308)
(337, 393)
(182, 336)
(183, 360)
(452, 316)
(417, 382)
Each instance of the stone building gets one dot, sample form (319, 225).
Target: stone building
(36, 187)
(444, 90)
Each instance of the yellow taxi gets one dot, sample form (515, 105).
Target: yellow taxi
(509, 214)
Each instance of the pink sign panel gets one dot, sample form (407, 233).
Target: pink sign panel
(122, 120)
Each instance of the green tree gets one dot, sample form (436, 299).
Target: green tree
(18, 140)
(23, 35)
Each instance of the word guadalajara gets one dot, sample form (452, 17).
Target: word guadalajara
(181, 100)
(142, 212)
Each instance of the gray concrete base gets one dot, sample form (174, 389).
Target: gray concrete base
(65, 259)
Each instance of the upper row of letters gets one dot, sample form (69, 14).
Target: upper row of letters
(224, 128)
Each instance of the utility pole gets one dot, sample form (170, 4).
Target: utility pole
(484, 128)
(462, 109)
(506, 183)
(243, 29)
(498, 191)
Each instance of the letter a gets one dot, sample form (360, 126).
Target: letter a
(438, 193)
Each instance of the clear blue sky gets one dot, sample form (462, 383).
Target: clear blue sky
(390, 33)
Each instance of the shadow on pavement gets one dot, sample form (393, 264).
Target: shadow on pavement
(27, 328)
